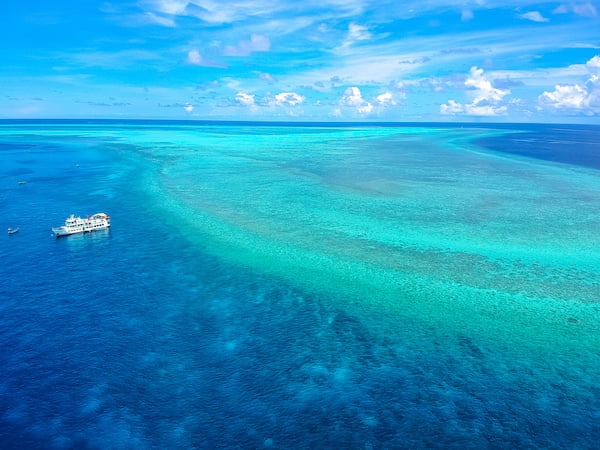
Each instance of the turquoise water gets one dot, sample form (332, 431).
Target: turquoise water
(294, 287)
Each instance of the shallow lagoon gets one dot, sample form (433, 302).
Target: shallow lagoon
(299, 287)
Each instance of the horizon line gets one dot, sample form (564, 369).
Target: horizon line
(277, 122)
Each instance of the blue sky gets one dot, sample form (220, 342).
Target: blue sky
(306, 60)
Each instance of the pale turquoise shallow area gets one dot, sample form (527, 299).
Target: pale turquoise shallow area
(477, 273)
(412, 227)
(407, 221)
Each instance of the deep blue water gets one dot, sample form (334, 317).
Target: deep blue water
(134, 338)
(570, 144)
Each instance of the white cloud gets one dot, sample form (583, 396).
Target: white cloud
(452, 108)
(189, 108)
(386, 99)
(485, 110)
(358, 32)
(484, 91)
(355, 33)
(472, 109)
(194, 58)
(565, 96)
(594, 93)
(593, 63)
(353, 98)
(244, 99)
(172, 7)
(534, 16)
(544, 77)
(486, 99)
(584, 97)
(582, 9)
(256, 43)
(289, 99)
(367, 108)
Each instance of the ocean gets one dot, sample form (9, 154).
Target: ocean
(300, 286)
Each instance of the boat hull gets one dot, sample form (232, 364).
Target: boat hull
(58, 232)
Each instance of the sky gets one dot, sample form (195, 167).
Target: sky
(302, 60)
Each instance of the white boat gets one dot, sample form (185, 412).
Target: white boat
(13, 230)
(75, 225)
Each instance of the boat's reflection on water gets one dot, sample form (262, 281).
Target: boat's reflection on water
(81, 241)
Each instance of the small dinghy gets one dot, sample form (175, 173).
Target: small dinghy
(13, 230)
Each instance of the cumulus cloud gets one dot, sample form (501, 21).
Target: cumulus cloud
(244, 99)
(594, 63)
(579, 97)
(189, 108)
(256, 43)
(367, 108)
(289, 99)
(484, 91)
(534, 16)
(452, 107)
(352, 97)
(565, 96)
(386, 99)
(486, 99)
(485, 110)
